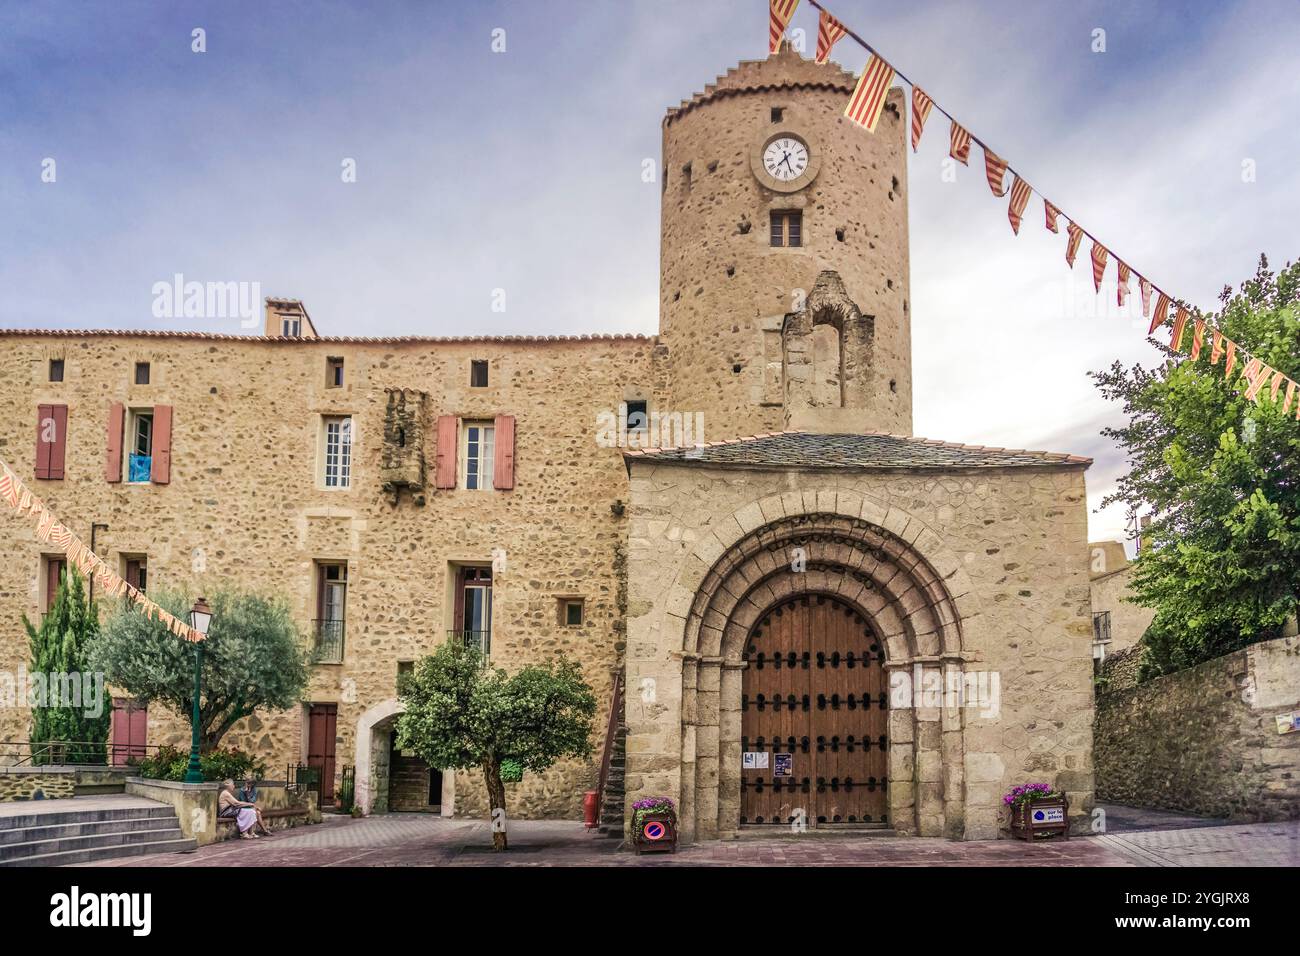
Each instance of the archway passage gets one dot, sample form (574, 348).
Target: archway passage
(814, 717)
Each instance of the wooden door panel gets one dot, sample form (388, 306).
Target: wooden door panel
(814, 687)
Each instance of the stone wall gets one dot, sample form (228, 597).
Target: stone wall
(36, 783)
(245, 506)
(1205, 740)
(1010, 550)
(1120, 671)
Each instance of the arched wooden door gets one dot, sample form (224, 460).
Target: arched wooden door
(814, 703)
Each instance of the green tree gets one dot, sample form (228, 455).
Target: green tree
(253, 657)
(1221, 477)
(463, 715)
(73, 708)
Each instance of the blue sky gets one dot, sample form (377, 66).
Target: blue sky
(521, 171)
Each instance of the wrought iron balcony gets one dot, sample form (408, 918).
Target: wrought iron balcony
(327, 642)
(481, 641)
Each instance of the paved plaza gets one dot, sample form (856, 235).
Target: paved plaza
(423, 840)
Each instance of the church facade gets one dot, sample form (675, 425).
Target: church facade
(818, 618)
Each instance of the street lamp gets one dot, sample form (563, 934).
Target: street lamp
(200, 618)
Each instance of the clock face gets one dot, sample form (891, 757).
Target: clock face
(786, 158)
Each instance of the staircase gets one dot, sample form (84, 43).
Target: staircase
(102, 828)
(612, 803)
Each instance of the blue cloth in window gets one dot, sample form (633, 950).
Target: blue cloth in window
(139, 468)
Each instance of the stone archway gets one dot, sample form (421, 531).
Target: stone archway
(884, 575)
(372, 757)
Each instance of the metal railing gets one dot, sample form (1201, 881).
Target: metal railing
(1101, 627)
(611, 734)
(78, 753)
(479, 640)
(327, 642)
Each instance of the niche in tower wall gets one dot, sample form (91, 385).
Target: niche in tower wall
(402, 461)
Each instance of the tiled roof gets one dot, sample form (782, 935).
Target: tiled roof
(344, 339)
(793, 449)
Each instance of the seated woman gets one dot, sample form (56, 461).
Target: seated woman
(245, 815)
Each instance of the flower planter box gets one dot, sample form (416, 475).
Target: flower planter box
(655, 833)
(1041, 819)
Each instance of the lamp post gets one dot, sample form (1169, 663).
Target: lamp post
(200, 618)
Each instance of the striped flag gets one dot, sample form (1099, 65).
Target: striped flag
(995, 168)
(1180, 323)
(1144, 287)
(959, 148)
(45, 526)
(1290, 396)
(868, 99)
(1160, 315)
(1231, 359)
(1098, 263)
(1216, 347)
(1278, 379)
(1121, 290)
(829, 32)
(1198, 339)
(1020, 191)
(1051, 212)
(781, 12)
(921, 106)
(1262, 373)
(1072, 243)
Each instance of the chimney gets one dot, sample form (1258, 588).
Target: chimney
(288, 318)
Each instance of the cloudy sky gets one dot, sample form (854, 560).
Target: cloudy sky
(521, 170)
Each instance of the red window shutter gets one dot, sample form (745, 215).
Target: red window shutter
(44, 423)
(445, 472)
(160, 468)
(113, 459)
(503, 461)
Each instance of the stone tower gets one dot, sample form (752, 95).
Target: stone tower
(783, 255)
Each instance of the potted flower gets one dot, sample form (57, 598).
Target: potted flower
(1038, 811)
(654, 825)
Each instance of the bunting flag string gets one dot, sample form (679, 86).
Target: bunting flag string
(865, 107)
(868, 99)
(779, 14)
(48, 528)
(1020, 193)
(829, 32)
(995, 168)
(921, 105)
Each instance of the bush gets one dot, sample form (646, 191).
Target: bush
(169, 763)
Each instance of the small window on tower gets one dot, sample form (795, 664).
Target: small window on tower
(778, 114)
(142, 373)
(787, 227)
(334, 372)
(478, 373)
(638, 418)
(56, 370)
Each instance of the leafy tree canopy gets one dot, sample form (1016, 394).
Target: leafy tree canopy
(254, 657)
(462, 715)
(1220, 476)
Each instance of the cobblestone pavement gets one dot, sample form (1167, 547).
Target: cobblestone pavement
(418, 840)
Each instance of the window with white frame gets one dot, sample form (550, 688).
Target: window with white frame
(337, 457)
(479, 443)
(139, 450)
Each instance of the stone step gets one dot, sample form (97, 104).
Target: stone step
(37, 849)
(89, 828)
(72, 857)
(26, 820)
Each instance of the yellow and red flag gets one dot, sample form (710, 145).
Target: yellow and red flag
(1290, 396)
(1121, 290)
(1180, 323)
(1098, 263)
(780, 13)
(995, 168)
(829, 32)
(1231, 359)
(1074, 237)
(1051, 212)
(868, 99)
(1161, 313)
(959, 143)
(921, 106)
(1198, 339)
(1020, 192)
